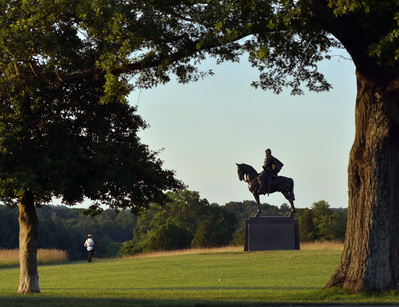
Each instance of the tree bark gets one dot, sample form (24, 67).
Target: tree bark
(28, 231)
(370, 258)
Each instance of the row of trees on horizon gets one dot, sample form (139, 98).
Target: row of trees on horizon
(186, 221)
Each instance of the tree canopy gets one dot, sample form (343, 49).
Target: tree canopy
(58, 138)
(144, 42)
(73, 147)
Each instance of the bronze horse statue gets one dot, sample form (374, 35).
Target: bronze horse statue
(281, 184)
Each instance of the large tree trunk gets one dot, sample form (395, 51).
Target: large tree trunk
(371, 253)
(28, 230)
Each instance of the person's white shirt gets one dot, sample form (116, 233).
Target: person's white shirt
(89, 244)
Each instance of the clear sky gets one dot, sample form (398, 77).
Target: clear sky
(207, 127)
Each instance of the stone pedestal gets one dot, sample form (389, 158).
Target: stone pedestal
(271, 233)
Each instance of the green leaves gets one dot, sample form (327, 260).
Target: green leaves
(374, 26)
(349, 6)
(185, 221)
(58, 140)
(65, 127)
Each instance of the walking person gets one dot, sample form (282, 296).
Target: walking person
(89, 244)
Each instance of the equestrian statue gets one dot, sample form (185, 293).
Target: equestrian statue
(268, 181)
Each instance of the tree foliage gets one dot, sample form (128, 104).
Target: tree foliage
(181, 223)
(216, 230)
(321, 223)
(169, 236)
(72, 148)
(66, 129)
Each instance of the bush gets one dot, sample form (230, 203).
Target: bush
(170, 237)
(215, 231)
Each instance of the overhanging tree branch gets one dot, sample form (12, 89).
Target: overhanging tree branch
(189, 50)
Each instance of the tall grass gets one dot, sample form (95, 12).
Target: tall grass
(325, 245)
(189, 251)
(10, 257)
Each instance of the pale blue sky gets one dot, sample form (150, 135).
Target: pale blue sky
(208, 126)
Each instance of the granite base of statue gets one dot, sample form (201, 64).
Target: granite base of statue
(271, 233)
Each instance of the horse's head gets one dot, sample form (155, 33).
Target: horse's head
(246, 172)
(240, 172)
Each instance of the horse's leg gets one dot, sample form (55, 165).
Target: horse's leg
(292, 196)
(292, 208)
(256, 195)
(253, 188)
(289, 196)
(292, 190)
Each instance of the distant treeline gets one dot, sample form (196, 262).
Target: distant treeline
(186, 221)
(66, 228)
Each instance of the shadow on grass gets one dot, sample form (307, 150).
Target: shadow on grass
(34, 300)
(328, 297)
(195, 288)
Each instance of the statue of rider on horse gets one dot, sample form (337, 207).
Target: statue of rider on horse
(271, 167)
(268, 181)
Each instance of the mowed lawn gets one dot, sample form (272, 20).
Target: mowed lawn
(223, 278)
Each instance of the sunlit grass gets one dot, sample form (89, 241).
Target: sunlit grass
(10, 257)
(224, 275)
(206, 277)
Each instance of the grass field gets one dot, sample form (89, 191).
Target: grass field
(226, 277)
